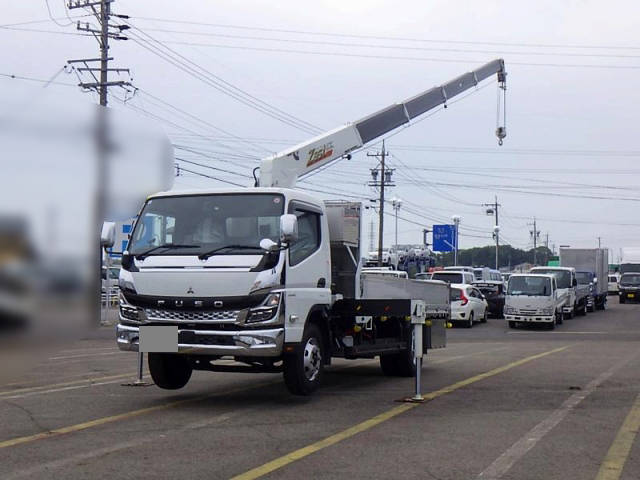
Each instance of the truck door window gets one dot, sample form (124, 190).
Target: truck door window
(308, 236)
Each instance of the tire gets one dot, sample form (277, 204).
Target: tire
(622, 300)
(551, 326)
(400, 364)
(484, 317)
(512, 324)
(303, 370)
(469, 324)
(170, 371)
(558, 320)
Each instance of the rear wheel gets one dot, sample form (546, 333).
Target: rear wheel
(303, 369)
(470, 322)
(170, 371)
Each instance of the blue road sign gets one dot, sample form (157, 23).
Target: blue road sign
(444, 238)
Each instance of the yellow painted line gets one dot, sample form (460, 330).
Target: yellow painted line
(613, 463)
(66, 384)
(123, 416)
(378, 419)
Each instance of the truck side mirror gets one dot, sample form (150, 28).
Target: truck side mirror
(268, 244)
(595, 280)
(108, 235)
(288, 228)
(575, 282)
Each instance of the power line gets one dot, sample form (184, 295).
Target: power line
(382, 46)
(159, 48)
(394, 38)
(396, 57)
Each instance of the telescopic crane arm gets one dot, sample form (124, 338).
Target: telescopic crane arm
(284, 168)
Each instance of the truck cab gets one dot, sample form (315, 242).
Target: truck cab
(533, 298)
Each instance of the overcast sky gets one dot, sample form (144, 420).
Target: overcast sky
(572, 100)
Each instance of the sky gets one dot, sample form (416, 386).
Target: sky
(232, 82)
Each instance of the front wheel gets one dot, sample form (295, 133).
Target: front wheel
(303, 369)
(170, 371)
(558, 318)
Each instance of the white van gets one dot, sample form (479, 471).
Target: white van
(452, 276)
(533, 298)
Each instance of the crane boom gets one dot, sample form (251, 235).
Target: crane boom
(284, 168)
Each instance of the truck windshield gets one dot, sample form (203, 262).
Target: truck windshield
(563, 277)
(530, 286)
(448, 277)
(584, 278)
(630, 279)
(208, 221)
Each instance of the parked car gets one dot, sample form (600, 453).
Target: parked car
(468, 305)
(451, 276)
(533, 298)
(629, 287)
(612, 288)
(494, 293)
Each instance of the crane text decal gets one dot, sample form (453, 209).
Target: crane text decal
(318, 154)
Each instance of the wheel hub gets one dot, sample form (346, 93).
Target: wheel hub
(312, 359)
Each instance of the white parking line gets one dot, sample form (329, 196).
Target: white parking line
(84, 355)
(529, 440)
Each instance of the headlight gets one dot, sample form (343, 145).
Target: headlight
(266, 311)
(126, 285)
(547, 311)
(509, 310)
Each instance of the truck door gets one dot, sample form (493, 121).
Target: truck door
(308, 276)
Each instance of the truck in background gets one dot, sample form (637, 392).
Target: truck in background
(630, 260)
(533, 298)
(592, 266)
(572, 295)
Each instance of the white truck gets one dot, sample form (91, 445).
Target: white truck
(533, 298)
(270, 276)
(592, 266)
(630, 260)
(573, 296)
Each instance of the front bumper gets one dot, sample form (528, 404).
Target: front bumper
(530, 318)
(236, 343)
(567, 309)
(632, 295)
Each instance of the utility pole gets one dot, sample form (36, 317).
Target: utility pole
(385, 181)
(103, 34)
(492, 209)
(599, 238)
(546, 240)
(396, 203)
(535, 233)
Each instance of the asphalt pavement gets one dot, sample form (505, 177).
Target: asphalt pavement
(500, 403)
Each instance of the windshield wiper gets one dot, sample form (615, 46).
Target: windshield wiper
(205, 255)
(145, 254)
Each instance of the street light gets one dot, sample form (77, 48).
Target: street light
(456, 221)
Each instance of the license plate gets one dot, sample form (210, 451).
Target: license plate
(631, 295)
(159, 338)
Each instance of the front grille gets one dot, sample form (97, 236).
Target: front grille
(528, 312)
(191, 338)
(130, 313)
(191, 316)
